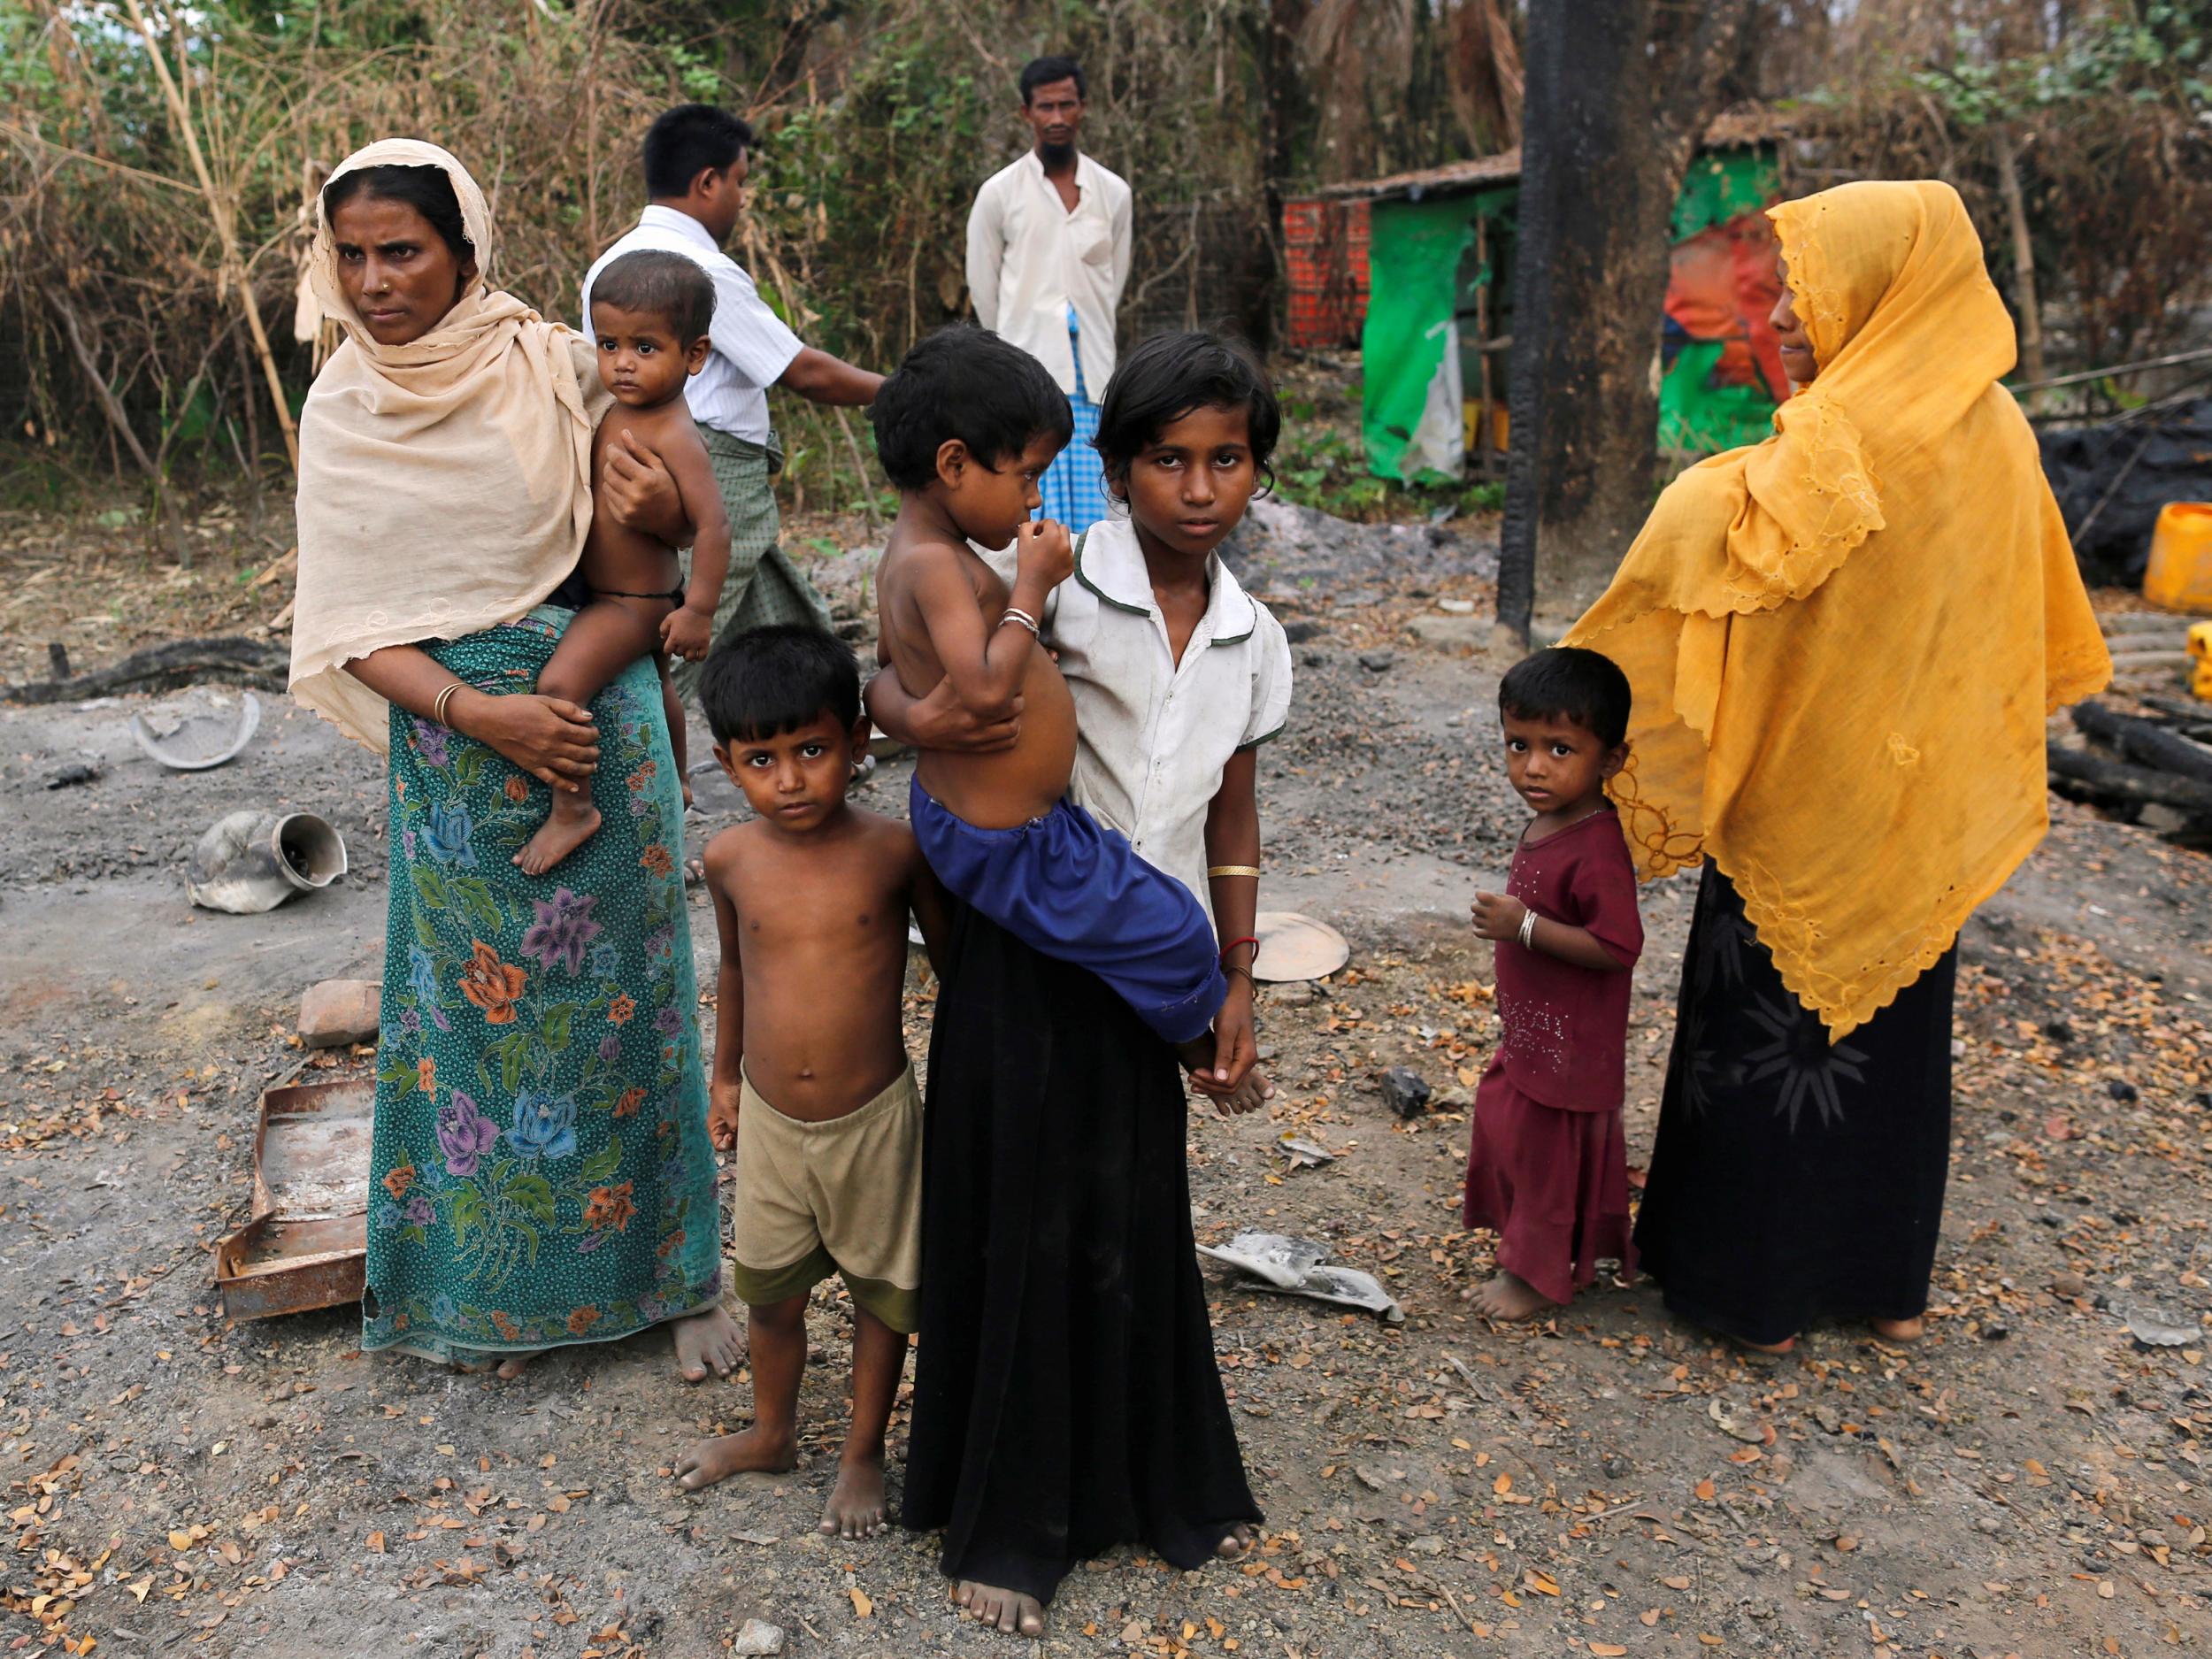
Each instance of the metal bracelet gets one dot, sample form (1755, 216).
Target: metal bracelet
(437, 708)
(1013, 614)
(1528, 928)
(1232, 870)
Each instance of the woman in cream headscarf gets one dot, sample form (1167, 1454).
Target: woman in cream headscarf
(1844, 643)
(542, 1168)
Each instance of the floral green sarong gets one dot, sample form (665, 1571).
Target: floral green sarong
(541, 1168)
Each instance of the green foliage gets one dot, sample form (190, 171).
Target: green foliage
(2146, 53)
(1323, 465)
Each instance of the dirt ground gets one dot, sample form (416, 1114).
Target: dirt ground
(2029, 1480)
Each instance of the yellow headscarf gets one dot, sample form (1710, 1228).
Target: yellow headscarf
(1844, 641)
(445, 484)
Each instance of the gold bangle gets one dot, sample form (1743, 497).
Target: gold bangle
(1234, 870)
(437, 709)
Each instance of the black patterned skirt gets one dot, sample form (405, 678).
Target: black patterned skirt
(1792, 1178)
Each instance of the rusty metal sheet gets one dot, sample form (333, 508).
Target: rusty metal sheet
(306, 1244)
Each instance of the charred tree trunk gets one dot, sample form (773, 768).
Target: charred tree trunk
(1619, 91)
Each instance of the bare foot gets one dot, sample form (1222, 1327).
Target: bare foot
(708, 1342)
(1009, 1610)
(728, 1454)
(1509, 1297)
(561, 834)
(1899, 1330)
(515, 1364)
(855, 1502)
(1234, 1542)
(1249, 1096)
(1776, 1348)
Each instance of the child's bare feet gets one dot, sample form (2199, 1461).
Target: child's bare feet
(755, 1451)
(1509, 1297)
(855, 1507)
(561, 834)
(1009, 1610)
(1899, 1330)
(708, 1342)
(515, 1364)
(1234, 1542)
(1249, 1096)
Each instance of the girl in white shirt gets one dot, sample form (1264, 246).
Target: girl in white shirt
(1056, 1204)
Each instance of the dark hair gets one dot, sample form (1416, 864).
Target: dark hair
(770, 680)
(1042, 71)
(965, 383)
(1568, 683)
(1168, 376)
(426, 190)
(667, 284)
(687, 140)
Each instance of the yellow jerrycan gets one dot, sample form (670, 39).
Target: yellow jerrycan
(2180, 573)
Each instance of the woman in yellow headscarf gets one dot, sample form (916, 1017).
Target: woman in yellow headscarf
(1844, 643)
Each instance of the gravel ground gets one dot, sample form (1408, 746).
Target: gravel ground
(2028, 1480)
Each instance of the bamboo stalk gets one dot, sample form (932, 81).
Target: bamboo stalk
(2023, 252)
(224, 218)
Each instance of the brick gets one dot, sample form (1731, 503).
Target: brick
(340, 1012)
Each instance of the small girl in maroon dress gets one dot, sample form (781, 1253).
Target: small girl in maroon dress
(1547, 1168)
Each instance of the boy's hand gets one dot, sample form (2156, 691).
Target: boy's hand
(722, 1115)
(686, 632)
(1042, 548)
(1497, 917)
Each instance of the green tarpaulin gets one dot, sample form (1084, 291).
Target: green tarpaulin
(1420, 257)
(1415, 405)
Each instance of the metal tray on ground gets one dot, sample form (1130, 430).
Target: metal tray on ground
(306, 1244)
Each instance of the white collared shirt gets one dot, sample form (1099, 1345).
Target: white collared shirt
(1154, 734)
(752, 348)
(1031, 262)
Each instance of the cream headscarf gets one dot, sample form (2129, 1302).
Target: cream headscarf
(445, 484)
(1844, 641)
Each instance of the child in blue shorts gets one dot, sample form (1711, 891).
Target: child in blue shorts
(965, 428)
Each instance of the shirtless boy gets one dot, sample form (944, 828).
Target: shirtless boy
(650, 312)
(964, 429)
(811, 1086)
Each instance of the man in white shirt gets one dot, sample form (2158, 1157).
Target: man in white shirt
(1048, 257)
(697, 158)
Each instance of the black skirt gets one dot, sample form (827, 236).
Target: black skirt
(1066, 1397)
(1792, 1178)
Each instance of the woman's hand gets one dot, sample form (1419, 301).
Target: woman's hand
(1497, 917)
(552, 738)
(639, 493)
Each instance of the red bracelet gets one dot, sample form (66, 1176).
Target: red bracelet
(1251, 940)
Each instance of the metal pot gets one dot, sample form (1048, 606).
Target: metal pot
(253, 861)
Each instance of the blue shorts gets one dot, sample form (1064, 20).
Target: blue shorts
(1076, 891)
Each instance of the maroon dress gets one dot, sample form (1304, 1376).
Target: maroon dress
(1548, 1167)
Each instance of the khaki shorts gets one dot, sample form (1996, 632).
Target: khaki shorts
(843, 1196)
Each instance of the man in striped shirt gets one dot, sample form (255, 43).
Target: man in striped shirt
(697, 158)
